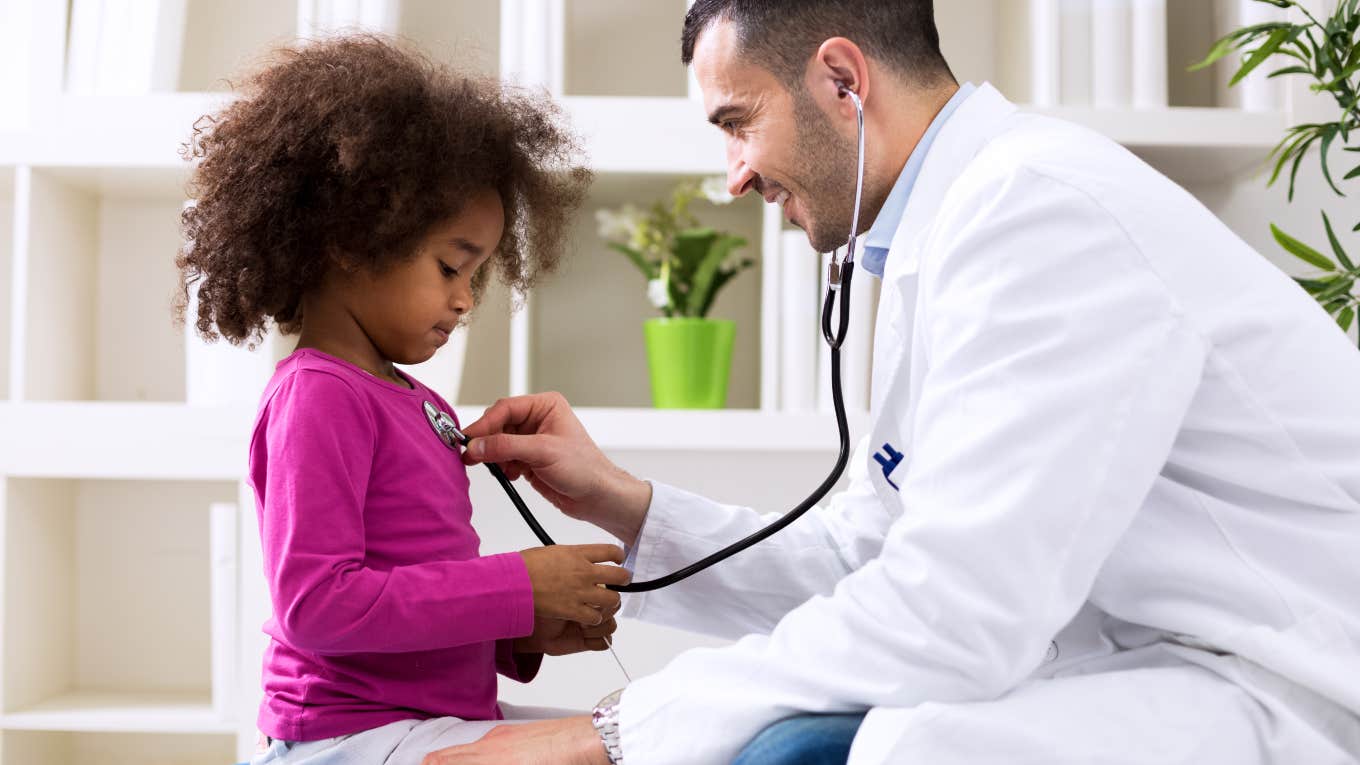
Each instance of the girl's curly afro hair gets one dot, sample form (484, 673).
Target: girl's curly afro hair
(344, 152)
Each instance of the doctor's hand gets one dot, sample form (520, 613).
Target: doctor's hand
(568, 741)
(558, 637)
(568, 581)
(539, 438)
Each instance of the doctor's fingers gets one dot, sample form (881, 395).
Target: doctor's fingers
(534, 413)
(532, 451)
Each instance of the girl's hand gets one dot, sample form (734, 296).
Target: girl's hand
(558, 637)
(568, 581)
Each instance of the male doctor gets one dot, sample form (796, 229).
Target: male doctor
(1109, 507)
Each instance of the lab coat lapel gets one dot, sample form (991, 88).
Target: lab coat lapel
(900, 361)
(975, 121)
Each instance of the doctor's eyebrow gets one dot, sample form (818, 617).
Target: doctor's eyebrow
(724, 113)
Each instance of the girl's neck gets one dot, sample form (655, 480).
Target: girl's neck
(342, 337)
(373, 364)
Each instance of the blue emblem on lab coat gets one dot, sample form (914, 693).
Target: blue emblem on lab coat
(889, 458)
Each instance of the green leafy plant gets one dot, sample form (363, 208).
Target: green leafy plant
(1328, 52)
(685, 263)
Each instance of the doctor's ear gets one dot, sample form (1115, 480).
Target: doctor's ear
(839, 65)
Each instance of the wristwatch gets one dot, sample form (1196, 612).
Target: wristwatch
(605, 718)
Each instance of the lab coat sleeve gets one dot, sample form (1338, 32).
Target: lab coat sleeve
(753, 590)
(1060, 370)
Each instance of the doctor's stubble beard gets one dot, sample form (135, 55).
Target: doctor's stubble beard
(828, 168)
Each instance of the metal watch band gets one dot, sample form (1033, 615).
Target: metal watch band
(605, 718)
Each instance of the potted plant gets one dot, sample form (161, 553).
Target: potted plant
(1328, 52)
(685, 265)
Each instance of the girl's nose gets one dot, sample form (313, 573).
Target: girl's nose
(461, 300)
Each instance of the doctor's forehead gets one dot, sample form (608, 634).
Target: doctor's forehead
(730, 82)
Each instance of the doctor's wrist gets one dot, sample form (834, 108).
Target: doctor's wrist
(624, 516)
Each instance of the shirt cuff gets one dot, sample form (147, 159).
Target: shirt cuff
(521, 667)
(635, 556)
(520, 598)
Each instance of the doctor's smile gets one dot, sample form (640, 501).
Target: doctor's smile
(726, 382)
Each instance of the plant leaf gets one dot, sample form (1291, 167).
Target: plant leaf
(1290, 70)
(1336, 244)
(1341, 287)
(1262, 53)
(1328, 136)
(1301, 251)
(701, 296)
(690, 247)
(1345, 318)
(648, 271)
(1300, 153)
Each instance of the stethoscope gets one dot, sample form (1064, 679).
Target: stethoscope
(839, 277)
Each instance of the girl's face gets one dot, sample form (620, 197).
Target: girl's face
(408, 310)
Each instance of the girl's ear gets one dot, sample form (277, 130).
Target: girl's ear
(340, 263)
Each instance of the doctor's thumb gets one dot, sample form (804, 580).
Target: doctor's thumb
(504, 447)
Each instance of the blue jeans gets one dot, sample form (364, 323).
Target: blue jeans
(804, 740)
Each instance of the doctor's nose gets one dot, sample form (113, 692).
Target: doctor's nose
(740, 177)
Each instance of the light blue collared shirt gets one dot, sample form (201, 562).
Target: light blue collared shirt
(880, 235)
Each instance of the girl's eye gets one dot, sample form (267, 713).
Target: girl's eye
(446, 271)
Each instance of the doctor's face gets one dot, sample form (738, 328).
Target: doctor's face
(779, 144)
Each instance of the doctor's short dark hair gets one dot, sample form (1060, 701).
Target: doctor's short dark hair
(342, 153)
(782, 35)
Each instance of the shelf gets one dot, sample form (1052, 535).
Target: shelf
(98, 276)
(159, 442)
(114, 712)
(134, 131)
(622, 135)
(40, 747)
(94, 573)
(1188, 144)
(736, 430)
(6, 273)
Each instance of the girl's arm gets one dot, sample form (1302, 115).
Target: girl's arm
(311, 459)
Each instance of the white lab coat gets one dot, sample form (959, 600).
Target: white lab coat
(1127, 442)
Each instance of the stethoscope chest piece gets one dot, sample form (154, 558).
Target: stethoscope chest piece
(444, 427)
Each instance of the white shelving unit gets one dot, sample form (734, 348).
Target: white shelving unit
(126, 636)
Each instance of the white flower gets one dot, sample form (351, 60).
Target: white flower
(658, 293)
(618, 224)
(714, 189)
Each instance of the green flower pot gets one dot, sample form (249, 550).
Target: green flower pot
(690, 361)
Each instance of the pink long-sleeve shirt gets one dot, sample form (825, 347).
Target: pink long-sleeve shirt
(384, 609)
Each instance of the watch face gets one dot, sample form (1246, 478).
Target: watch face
(612, 699)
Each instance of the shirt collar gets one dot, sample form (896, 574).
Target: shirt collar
(880, 235)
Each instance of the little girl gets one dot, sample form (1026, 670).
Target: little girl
(353, 195)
